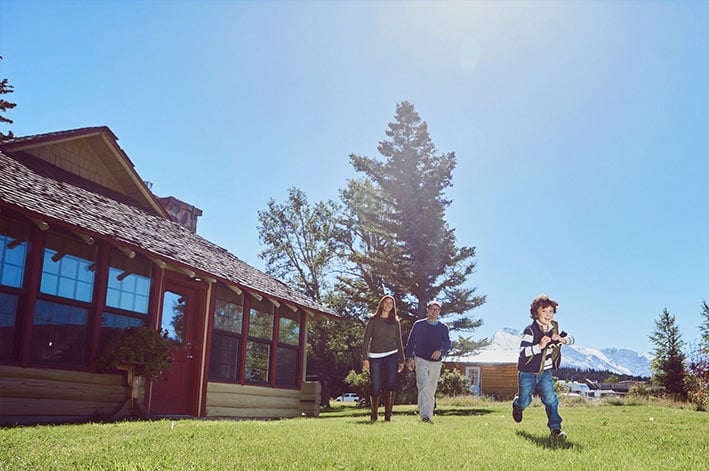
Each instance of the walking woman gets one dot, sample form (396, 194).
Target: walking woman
(383, 353)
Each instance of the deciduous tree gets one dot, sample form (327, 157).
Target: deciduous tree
(299, 242)
(300, 250)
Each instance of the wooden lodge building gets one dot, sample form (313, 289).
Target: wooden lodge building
(86, 248)
(492, 373)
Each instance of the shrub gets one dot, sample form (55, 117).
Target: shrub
(359, 383)
(645, 391)
(561, 388)
(453, 383)
(697, 391)
(147, 351)
(614, 401)
(572, 400)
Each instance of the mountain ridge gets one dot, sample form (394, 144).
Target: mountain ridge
(505, 343)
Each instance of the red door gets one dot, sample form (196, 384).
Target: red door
(176, 393)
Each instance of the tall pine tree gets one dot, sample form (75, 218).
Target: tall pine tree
(5, 105)
(415, 257)
(668, 364)
(704, 328)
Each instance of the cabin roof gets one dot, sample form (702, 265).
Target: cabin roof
(41, 190)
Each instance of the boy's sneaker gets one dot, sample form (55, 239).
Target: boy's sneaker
(516, 413)
(558, 433)
(426, 420)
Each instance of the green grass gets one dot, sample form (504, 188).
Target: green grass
(469, 436)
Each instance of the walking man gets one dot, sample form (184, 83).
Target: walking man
(428, 342)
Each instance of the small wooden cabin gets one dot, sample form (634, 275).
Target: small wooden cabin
(85, 249)
(492, 373)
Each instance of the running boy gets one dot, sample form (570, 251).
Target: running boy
(539, 354)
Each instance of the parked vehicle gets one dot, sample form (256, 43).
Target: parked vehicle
(348, 397)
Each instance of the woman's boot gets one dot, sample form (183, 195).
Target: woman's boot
(388, 405)
(375, 407)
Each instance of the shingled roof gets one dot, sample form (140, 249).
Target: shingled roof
(44, 191)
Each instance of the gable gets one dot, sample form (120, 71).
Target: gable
(32, 186)
(92, 154)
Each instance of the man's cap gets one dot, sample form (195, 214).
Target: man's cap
(432, 302)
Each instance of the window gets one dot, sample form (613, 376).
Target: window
(260, 341)
(127, 294)
(14, 244)
(13, 252)
(128, 283)
(68, 268)
(60, 325)
(226, 335)
(289, 329)
(59, 334)
(288, 348)
(174, 322)
(473, 373)
(8, 316)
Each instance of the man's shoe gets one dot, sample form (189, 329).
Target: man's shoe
(426, 420)
(516, 413)
(558, 433)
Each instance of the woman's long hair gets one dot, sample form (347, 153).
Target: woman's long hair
(393, 316)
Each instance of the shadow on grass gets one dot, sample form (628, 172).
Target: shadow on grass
(448, 411)
(547, 441)
(356, 412)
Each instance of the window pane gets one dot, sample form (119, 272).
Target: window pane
(289, 331)
(59, 334)
(228, 316)
(12, 261)
(111, 323)
(117, 321)
(8, 315)
(286, 367)
(174, 307)
(261, 324)
(257, 361)
(128, 283)
(223, 361)
(68, 269)
(13, 251)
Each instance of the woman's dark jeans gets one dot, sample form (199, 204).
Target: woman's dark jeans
(383, 369)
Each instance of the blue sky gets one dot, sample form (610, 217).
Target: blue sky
(580, 128)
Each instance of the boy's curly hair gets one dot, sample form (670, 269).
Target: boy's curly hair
(541, 301)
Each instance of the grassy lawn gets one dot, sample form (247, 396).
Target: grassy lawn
(479, 436)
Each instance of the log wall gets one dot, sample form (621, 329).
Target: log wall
(498, 380)
(241, 401)
(35, 395)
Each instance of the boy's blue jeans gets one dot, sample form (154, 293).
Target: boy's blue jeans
(383, 368)
(544, 384)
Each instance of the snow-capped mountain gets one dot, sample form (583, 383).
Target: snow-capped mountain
(616, 360)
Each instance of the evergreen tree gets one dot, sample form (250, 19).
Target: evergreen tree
(364, 248)
(697, 379)
(668, 364)
(5, 105)
(409, 250)
(704, 328)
